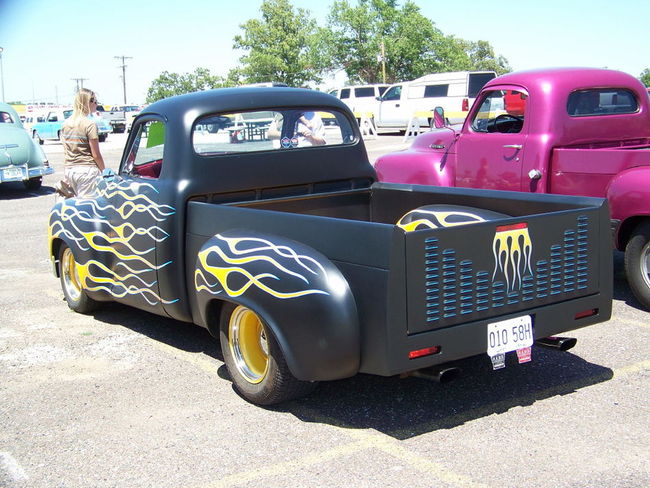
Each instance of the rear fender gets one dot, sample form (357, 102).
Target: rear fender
(300, 295)
(629, 200)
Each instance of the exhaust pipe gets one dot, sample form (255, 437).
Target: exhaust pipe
(561, 343)
(437, 374)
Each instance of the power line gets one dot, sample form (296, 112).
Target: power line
(80, 82)
(123, 66)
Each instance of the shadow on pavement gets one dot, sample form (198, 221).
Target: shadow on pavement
(16, 190)
(405, 408)
(401, 408)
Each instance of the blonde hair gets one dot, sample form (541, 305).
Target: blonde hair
(81, 107)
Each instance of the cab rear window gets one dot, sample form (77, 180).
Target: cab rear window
(602, 101)
(279, 129)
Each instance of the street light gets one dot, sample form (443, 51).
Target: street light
(2, 76)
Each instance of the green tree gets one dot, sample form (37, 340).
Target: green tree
(411, 44)
(285, 45)
(170, 84)
(645, 77)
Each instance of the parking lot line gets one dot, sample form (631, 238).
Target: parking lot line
(9, 465)
(285, 467)
(389, 443)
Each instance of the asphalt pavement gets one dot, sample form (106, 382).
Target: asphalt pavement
(123, 398)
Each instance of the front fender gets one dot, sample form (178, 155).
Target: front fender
(74, 221)
(299, 293)
(629, 198)
(431, 160)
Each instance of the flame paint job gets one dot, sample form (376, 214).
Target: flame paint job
(116, 259)
(228, 260)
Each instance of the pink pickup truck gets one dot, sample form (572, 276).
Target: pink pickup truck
(569, 131)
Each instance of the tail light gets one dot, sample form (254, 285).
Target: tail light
(465, 104)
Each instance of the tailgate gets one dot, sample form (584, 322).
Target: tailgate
(461, 274)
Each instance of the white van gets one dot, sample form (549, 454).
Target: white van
(454, 91)
(362, 99)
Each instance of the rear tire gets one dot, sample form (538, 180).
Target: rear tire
(71, 285)
(637, 263)
(254, 360)
(33, 183)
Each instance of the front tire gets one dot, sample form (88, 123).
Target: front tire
(254, 359)
(75, 296)
(637, 263)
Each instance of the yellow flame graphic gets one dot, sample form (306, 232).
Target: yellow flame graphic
(437, 219)
(256, 251)
(122, 242)
(512, 251)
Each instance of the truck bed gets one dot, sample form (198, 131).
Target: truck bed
(436, 286)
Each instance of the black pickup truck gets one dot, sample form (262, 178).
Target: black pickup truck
(255, 213)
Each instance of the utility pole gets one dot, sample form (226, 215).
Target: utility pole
(123, 66)
(2, 76)
(80, 82)
(383, 62)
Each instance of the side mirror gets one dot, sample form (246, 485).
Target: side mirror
(438, 117)
(378, 99)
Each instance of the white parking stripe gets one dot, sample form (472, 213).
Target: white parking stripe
(10, 466)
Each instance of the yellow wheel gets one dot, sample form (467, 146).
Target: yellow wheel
(73, 291)
(254, 359)
(248, 344)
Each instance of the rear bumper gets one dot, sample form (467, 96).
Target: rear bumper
(10, 173)
(470, 339)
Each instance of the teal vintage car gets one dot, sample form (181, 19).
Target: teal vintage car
(21, 159)
(50, 128)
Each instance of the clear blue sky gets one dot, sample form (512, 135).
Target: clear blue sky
(49, 43)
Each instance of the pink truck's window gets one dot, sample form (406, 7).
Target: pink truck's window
(602, 101)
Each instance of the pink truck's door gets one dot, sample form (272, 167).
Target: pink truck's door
(492, 145)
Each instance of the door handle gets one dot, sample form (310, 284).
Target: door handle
(513, 146)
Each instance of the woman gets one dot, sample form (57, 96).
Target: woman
(83, 161)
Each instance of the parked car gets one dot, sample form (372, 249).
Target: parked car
(50, 128)
(129, 112)
(453, 91)
(567, 131)
(21, 159)
(31, 119)
(361, 99)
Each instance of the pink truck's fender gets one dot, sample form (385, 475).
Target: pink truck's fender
(629, 201)
(429, 161)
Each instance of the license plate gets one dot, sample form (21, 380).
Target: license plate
(11, 173)
(509, 335)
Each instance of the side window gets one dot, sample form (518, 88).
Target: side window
(431, 91)
(279, 129)
(145, 156)
(605, 101)
(500, 111)
(394, 93)
(345, 93)
(6, 118)
(366, 91)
